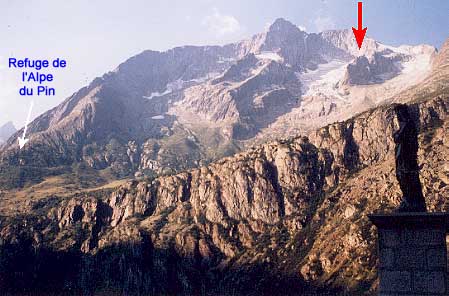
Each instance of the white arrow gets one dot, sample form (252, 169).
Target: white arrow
(23, 140)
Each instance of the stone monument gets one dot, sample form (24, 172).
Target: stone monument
(411, 242)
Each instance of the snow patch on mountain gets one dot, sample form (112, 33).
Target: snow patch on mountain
(324, 79)
(157, 94)
(180, 84)
(269, 55)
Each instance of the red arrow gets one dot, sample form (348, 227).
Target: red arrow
(359, 33)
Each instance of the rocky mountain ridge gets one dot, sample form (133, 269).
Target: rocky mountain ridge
(291, 213)
(162, 112)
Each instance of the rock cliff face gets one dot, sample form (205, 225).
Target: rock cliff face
(291, 213)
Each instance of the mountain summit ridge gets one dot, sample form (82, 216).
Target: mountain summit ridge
(215, 100)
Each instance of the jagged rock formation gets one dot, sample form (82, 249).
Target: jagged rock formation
(363, 71)
(293, 208)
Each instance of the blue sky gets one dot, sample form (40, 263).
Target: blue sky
(96, 35)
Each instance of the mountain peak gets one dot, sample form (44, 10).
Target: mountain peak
(6, 131)
(9, 124)
(282, 24)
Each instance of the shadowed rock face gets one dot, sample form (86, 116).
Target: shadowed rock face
(293, 209)
(363, 71)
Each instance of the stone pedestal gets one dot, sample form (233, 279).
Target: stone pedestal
(412, 253)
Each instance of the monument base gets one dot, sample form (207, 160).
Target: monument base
(412, 253)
